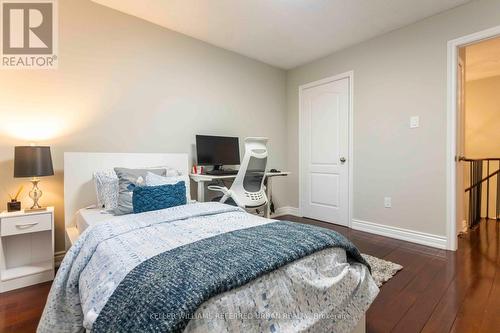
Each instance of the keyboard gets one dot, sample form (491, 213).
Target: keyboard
(226, 172)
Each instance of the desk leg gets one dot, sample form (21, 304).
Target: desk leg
(201, 191)
(269, 194)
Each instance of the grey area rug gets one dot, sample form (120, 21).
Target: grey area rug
(382, 270)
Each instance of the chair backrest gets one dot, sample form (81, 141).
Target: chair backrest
(248, 186)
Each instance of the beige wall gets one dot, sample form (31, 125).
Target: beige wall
(397, 75)
(125, 85)
(482, 129)
(482, 118)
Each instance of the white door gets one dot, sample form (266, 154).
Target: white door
(324, 147)
(462, 177)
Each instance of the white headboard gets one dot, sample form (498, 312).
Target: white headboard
(79, 190)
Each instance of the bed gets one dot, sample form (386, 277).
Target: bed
(90, 216)
(112, 264)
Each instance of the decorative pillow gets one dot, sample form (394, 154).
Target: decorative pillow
(169, 172)
(128, 179)
(106, 186)
(148, 198)
(155, 180)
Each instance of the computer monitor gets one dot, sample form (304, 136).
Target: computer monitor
(217, 150)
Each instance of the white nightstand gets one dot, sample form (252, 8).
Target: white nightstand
(26, 248)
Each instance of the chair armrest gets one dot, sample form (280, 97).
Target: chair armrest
(222, 189)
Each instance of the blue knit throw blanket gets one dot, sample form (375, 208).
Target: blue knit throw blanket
(163, 293)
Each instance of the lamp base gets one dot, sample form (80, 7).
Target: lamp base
(36, 209)
(35, 194)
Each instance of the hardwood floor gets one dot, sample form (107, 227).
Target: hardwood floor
(437, 290)
(20, 310)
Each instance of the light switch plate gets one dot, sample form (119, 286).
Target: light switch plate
(414, 121)
(387, 202)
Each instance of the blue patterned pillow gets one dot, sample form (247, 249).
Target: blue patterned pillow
(148, 198)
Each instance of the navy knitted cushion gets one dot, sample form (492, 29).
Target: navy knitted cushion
(148, 198)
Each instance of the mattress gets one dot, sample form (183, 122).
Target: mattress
(87, 217)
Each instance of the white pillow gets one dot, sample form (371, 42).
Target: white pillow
(155, 180)
(106, 187)
(170, 172)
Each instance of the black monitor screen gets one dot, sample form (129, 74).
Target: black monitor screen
(217, 150)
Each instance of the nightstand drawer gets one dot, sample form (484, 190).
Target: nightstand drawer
(25, 224)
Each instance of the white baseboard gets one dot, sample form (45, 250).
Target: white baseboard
(400, 233)
(286, 210)
(58, 257)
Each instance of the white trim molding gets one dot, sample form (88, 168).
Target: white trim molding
(286, 210)
(401, 234)
(451, 188)
(349, 75)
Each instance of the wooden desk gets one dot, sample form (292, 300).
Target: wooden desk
(202, 180)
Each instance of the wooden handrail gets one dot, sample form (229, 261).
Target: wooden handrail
(480, 159)
(482, 180)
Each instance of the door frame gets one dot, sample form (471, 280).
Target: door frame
(346, 75)
(452, 83)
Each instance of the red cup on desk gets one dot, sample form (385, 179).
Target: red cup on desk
(197, 170)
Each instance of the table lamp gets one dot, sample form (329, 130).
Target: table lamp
(33, 162)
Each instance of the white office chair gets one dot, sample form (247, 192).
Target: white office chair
(248, 190)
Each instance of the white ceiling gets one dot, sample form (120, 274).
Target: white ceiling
(482, 60)
(283, 33)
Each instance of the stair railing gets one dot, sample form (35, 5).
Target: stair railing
(476, 190)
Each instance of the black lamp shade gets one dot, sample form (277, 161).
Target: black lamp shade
(32, 161)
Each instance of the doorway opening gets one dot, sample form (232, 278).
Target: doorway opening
(480, 132)
(477, 134)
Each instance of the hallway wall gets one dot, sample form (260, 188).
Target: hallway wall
(482, 127)
(482, 118)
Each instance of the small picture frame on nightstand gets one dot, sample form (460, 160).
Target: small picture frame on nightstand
(13, 206)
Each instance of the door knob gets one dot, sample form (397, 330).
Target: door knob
(342, 159)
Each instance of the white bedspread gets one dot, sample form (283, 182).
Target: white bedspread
(319, 293)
